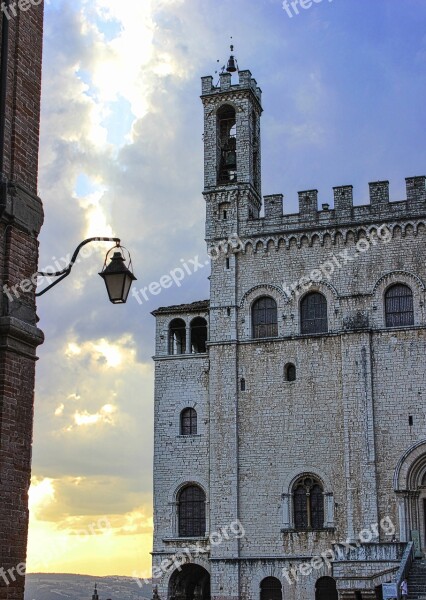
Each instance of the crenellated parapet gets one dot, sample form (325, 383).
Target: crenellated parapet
(379, 210)
(245, 82)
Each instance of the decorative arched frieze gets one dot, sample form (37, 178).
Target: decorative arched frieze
(409, 229)
(420, 227)
(248, 248)
(271, 245)
(344, 235)
(315, 239)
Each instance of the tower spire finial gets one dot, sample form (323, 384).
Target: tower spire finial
(232, 66)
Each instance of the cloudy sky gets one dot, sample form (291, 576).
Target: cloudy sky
(344, 88)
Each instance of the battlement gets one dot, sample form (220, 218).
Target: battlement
(344, 210)
(245, 82)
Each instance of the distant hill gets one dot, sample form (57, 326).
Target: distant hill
(53, 586)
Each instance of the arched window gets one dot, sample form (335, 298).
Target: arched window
(227, 144)
(308, 502)
(313, 313)
(264, 318)
(271, 589)
(198, 335)
(188, 422)
(290, 372)
(325, 589)
(177, 337)
(192, 512)
(399, 307)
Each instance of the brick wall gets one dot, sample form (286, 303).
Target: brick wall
(21, 217)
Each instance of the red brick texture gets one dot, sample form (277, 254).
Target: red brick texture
(20, 220)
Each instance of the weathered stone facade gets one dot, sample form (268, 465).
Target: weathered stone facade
(21, 217)
(353, 417)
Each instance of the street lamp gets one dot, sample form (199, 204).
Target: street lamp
(117, 276)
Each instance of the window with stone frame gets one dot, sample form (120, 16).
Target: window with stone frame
(191, 512)
(264, 318)
(313, 314)
(188, 422)
(308, 503)
(399, 307)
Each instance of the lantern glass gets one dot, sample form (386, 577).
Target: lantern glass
(118, 279)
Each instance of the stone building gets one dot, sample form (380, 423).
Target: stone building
(290, 407)
(21, 217)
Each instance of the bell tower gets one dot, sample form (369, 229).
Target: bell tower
(232, 180)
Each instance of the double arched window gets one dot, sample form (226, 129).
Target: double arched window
(192, 512)
(264, 316)
(188, 422)
(399, 308)
(313, 314)
(271, 589)
(308, 503)
(197, 336)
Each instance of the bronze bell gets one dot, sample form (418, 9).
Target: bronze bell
(231, 159)
(231, 68)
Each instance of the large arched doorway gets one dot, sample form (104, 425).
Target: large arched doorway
(325, 589)
(410, 487)
(271, 589)
(192, 582)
